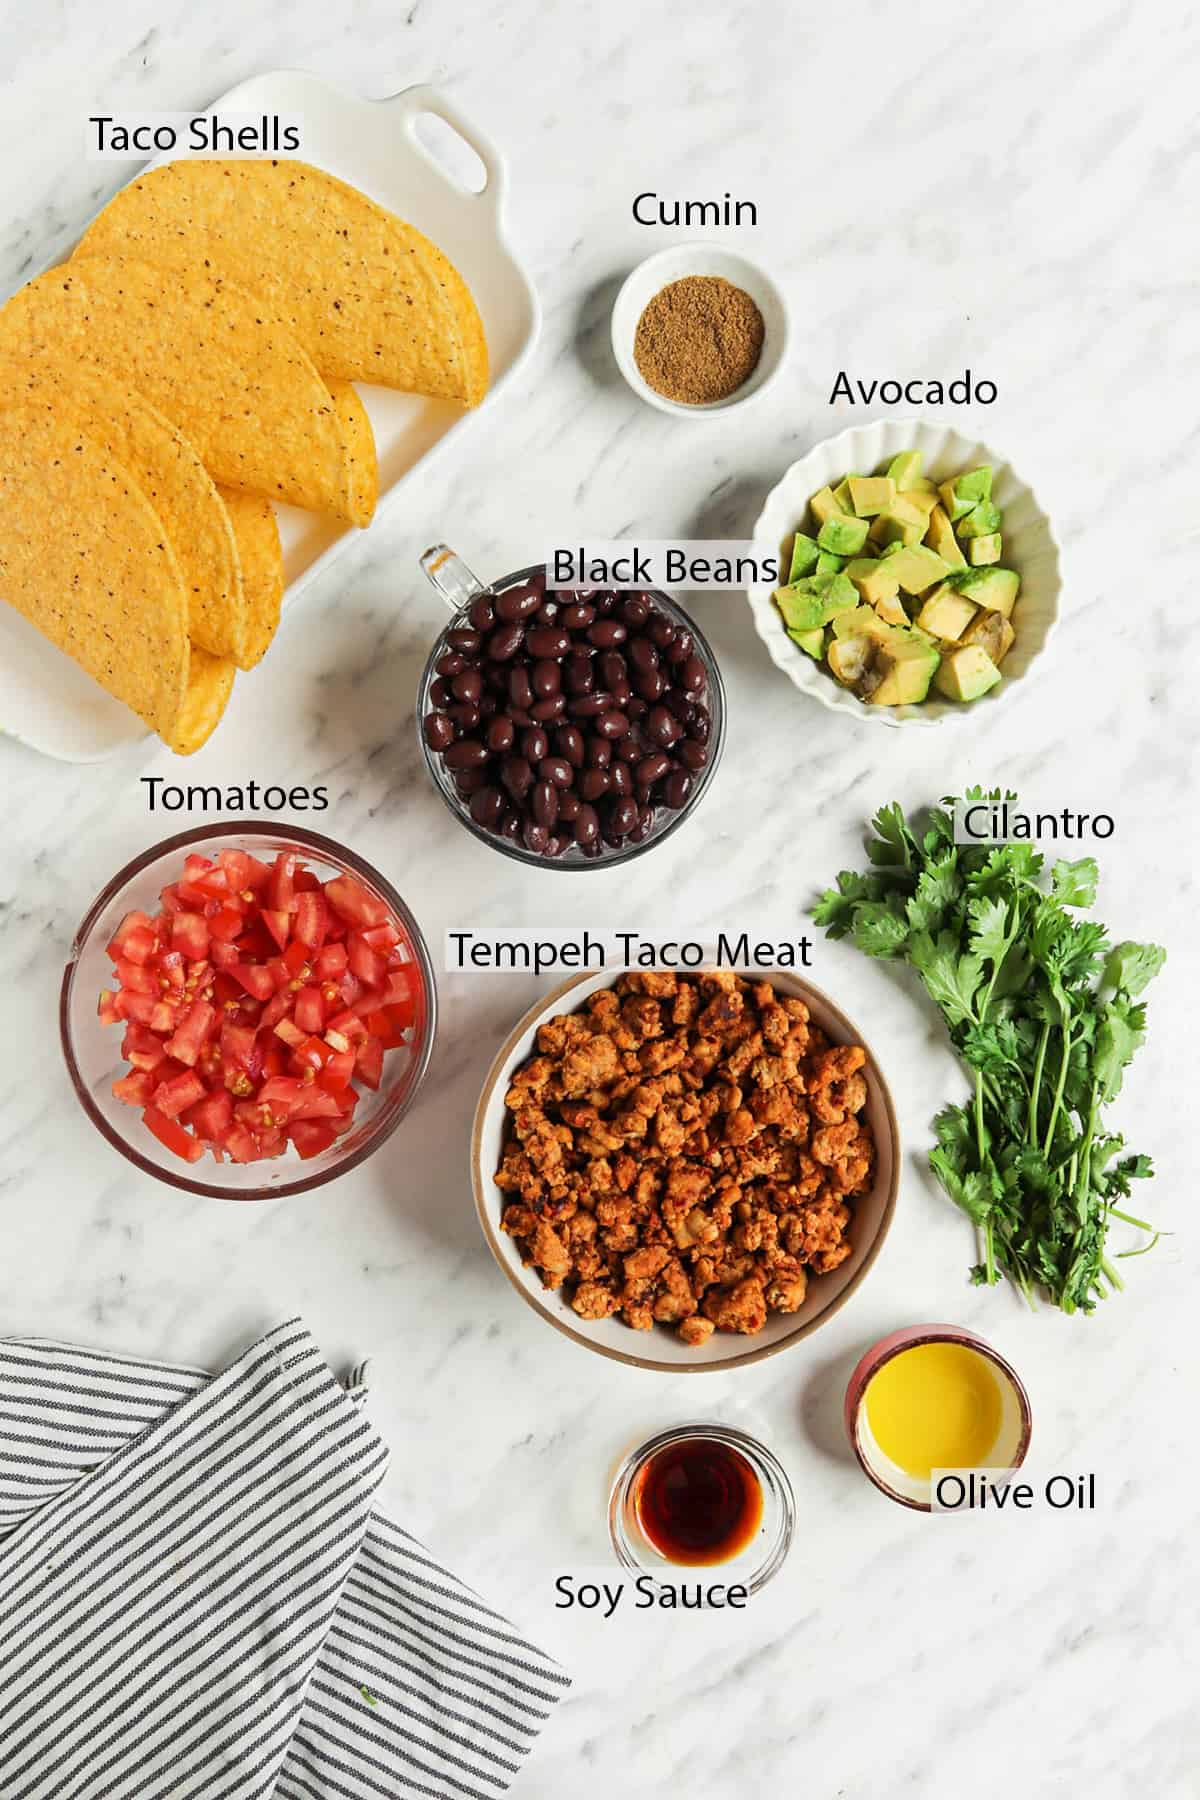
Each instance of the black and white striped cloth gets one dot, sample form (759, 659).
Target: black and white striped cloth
(197, 1598)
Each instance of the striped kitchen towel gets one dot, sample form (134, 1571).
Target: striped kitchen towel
(198, 1599)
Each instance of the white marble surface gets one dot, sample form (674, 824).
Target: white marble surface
(1006, 187)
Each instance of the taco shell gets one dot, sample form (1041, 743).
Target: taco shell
(212, 358)
(209, 685)
(257, 535)
(368, 296)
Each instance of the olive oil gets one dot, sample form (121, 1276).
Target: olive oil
(935, 1406)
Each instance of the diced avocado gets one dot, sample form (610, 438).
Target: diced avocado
(871, 494)
(991, 631)
(824, 505)
(815, 600)
(848, 658)
(924, 502)
(916, 567)
(993, 587)
(828, 563)
(966, 673)
(843, 536)
(912, 664)
(975, 485)
(804, 555)
(902, 523)
(873, 579)
(841, 494)
(946, 614)
(981, 521)
(905, 468)
(811, 642)
(891, 610)
(864, 621)
(941, 539)
(922, 485)
(981, 550)
(956, 508)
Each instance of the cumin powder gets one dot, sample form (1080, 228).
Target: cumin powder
(698, 340)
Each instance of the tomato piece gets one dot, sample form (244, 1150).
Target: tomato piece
(134, 1089)
(259, 874)
(332, 961)
(312, 1054)
(141, 1049)
(242, 1144)
(202, 876)
(281, 975)
(403, 1017)
(311, 1137)
(380, 1026)
(312, 917)
(278, 1007)
(368, 1061)
(239, 1050)
(169, 899)
(255, 979)
(141, 1007)
(338, 1071)
(369, 967)
(296, 956)
(281, 1094)
(315, 1103)
(133, 938)
(212, 1117)
(400, 988)
(345, 1025)
(224, 955)
(355, 904)
(170, 966)
(178, 1092)
(172, 1135)
(107, 1010)
(290, 1032)
(189, 935)
(136, 978)
(189, 1037)
(283, 881)
(274, 1062)
(236, 865)
(226, 923)
(381, 937)
(279, 924)
(310, 1011)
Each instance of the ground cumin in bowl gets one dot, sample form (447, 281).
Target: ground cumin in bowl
(697, 329)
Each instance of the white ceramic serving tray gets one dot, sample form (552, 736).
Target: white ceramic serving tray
(49, 703)
(1029, 547)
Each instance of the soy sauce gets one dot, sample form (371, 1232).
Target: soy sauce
(699, 1501)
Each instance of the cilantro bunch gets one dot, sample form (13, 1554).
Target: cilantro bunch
(1045, 1014)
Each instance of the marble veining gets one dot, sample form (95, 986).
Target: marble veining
(1006, 188)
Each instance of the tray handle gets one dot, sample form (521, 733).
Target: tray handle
(411, 102)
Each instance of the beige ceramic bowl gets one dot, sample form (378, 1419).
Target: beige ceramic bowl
(662, 1349)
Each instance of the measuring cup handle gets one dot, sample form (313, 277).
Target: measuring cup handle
(457, 584)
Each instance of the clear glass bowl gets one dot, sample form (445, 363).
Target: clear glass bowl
(753, 1566)
(93, 1050)
(665, 821)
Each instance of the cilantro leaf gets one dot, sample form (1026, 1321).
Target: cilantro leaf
(1133, 967)
(1074, 883)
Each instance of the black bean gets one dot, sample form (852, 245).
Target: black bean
(663, 728)
(547, 640)
(440, 694)
(642, 654)
(548, 710)
(536, 837)
(487, 807)
(555, 844)
(604, 603)
(691, 675)
(451, 663)
(519, 716)
(593, 784)
(505, 641)
(546, 677)
(579, 675)
(677, 702)
(501, 734)
(612, 724)
(439, 731)
(569, 804)
(635, 610)
(518, 603)
(466, 715)
(569, 743)
(652, 768)
(510, 825)
(624, 816)
(469, 753)
(547, 612)
(578, 616)
(682, 648)
(520, 688)
(613, 668)
(589, 706)
(700, 723)
(691, 754)
(468, 686)
(482, 613)
(606, 634)
(598, 753)
(660, 631)
(620, 779)
(587, 826)
(469, 781)
(517, 776)
(543, 798)
(495, 678)
(534, 744)
(463, 638)
(650, 684)
(556, 770)
(636, 709)
(676, 789)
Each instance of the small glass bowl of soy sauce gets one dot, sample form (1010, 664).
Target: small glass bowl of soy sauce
(703, 1497)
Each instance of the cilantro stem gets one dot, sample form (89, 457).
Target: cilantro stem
(1114, 1212)
(1060, 1085)
(1035, 1088)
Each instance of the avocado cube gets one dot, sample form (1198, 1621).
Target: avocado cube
(824, 505)
(982, 550)
(871, 494)
(966, 673)
(912, 664)
(828, 563)
(946, 614)
(924, 502)
(905, 469)
(873, 579)
(941, 539)
(975, 485)
(841, 494)
(982, 520)
(992, 587)
(811, 642)
(901, 523)
(992, 632)
(815, 600)
(849, 657)
(915, 566)
(863, 621)
(843, 536)
(891, 610)
(922, 485)
(804, 555)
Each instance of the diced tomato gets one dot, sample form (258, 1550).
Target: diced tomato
(369, 967)
(212, 1117)
(202, 874)
(368, 1061)
(242, 1144)
(312, 916)
(178, 1093)
(380, 1026)
(259, 874)
(108, 1011)
(296, 956)
(347, 1025)
(136, 978)
(338, 1070)
(226, 923)
(278, 1007)
(290, 1032)
(273, 1062)
(316, 1103)
(311, 1137)
(332, 961)
(283, 881)
(134, 1089)
(170, 966)
(281, 1095)
(400, 988)
(239, 1049)
(236, 864)
(279, 924)
(170, 901)
(172, 1135)
(189, 935)
(131, 1005)
(310, 1011)
(256, 943)
(403, 1017)
(311, 1055)
(352, 900)
(350, 988)
(255, 979)
(133, 939)
(141, 1048)
(164, 1016)
(281, 975)
(224, 955)
(186, 1042)
(381, 937)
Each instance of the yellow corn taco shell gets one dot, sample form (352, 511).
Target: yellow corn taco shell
(211, 357)
(359, 440)
(209, 685)
(169, 473)
(257, 535)
(367, 295)
(84, 557)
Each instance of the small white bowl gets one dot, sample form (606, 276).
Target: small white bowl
(1029, 548)
(661, 1349)
(659, 271)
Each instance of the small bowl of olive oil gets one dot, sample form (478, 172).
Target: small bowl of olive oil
(930, 1399)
